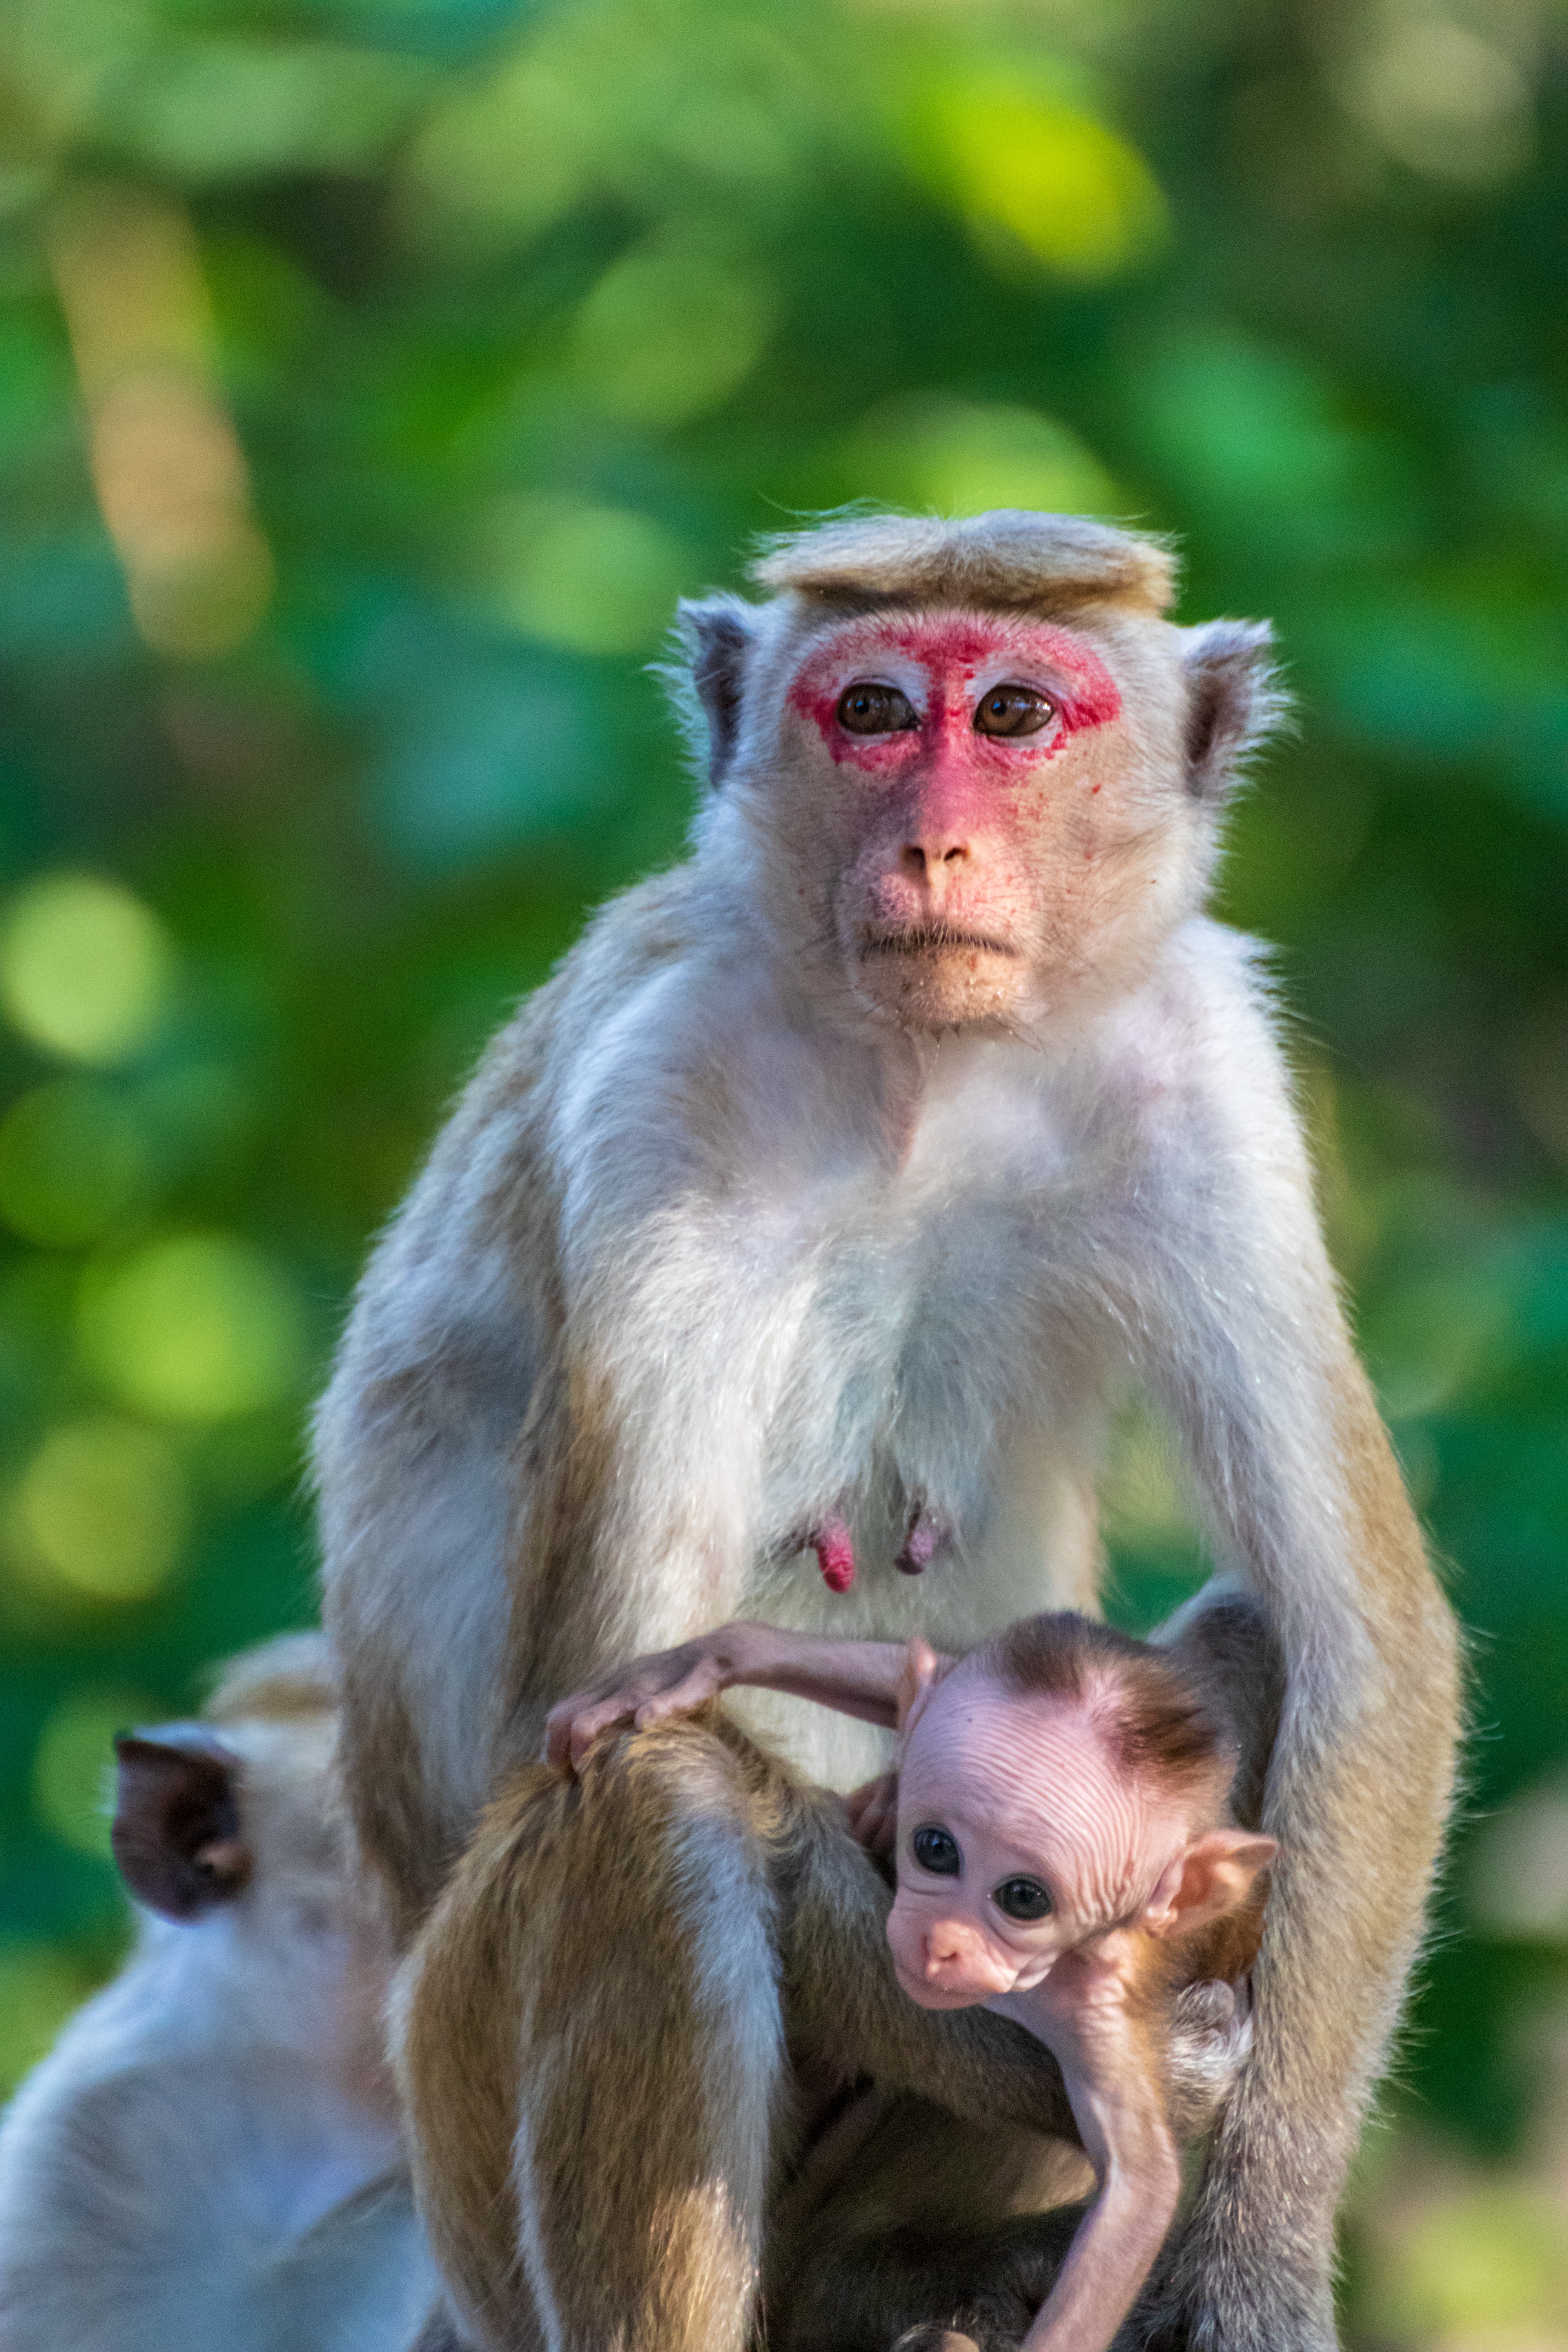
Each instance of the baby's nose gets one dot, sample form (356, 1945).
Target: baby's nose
(958, 1960)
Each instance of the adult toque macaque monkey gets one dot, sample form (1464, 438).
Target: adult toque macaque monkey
(811, 1219)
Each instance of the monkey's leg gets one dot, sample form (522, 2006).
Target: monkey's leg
(591, 2046)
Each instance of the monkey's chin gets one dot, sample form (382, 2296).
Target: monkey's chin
(930, 1996)
(959, 986)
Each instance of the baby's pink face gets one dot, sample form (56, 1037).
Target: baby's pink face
(1018, 1840)
(967, 767)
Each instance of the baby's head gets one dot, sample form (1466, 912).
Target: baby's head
(1061, 1780)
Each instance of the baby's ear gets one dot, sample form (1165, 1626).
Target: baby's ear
(922, 1670)
(1208, 1878)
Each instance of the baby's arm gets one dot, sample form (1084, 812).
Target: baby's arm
(859, 1679)
(1084, 2014)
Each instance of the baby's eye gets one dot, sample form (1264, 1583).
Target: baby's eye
(1023, 1898)
(937, 1850)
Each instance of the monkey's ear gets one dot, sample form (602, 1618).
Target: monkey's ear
(1234, 700)
(176, 1834)
(1214, 1875)
(921, 1671)
(715, 638)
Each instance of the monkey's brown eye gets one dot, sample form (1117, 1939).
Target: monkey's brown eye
(1023, 1898)
(937, 1850)
(866, 709)
(1014, 710)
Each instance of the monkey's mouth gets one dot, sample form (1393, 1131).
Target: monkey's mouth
(930, 938)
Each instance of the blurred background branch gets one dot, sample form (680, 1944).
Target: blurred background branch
(374, 374)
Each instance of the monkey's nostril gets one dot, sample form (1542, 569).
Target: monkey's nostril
(957, 850)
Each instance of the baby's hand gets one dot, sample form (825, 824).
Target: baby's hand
(645, 1691)
(873, 1812)
(1211, 2040)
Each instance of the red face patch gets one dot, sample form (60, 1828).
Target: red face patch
(945, 664)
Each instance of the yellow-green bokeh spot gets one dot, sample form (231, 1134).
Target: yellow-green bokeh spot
(668, 332)
(1485, 2266)
(102, 1508)
(1069, 189)
(73, 1160)
(73, 1764)
(195, 1329)
(40, 1985)
(591, 579)
(954, 456)
(86, 969)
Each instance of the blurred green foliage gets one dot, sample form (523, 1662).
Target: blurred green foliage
(372, 376)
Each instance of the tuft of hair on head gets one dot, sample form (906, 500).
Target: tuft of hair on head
(1010, 559)
(1155, 1719)
(281, 1681)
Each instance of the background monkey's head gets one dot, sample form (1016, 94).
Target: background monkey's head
(969, 768)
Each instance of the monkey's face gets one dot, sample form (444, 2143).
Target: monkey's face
(966, 793)
(1018, 1840)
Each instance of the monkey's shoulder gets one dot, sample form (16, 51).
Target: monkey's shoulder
(643, 931)
(1197, 1052)
(498, 1127)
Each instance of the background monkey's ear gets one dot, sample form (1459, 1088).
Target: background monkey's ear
(176, 1833)
(1235, 702)
(715, 638)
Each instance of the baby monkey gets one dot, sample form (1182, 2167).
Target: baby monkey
(1067, 1856)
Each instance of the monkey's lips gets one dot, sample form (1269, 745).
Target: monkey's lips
(930, 938)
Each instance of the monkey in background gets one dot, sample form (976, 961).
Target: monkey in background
(1066, 1854)
(211, 2157)
(813, 1218)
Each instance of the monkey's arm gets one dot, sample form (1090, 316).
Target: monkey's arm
(1243, 1337)
(1124, 2132)
(1087, 2012)
(858, 1679)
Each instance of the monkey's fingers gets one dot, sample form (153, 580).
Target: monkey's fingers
(571, 1728)
(605, 1717)
(694, 1690)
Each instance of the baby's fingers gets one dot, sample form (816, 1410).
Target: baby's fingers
(571, 1728)
(696, 1688)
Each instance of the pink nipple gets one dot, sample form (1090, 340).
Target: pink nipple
(919, 1545)
(835, 1555)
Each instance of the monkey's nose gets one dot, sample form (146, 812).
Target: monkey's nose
(938, 854)
(956, 1960)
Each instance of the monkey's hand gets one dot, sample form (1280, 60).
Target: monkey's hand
(873, 1813)
(859, 1679)
(1210, 2042)
(645, 1691)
